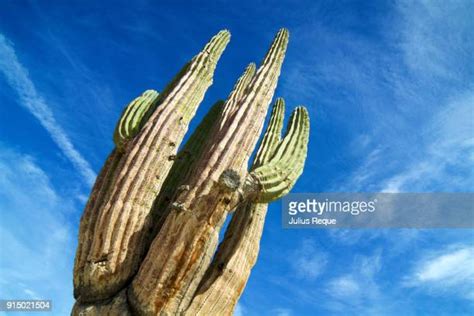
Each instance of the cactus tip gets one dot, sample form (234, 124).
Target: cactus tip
(284, 30)
(224, 33)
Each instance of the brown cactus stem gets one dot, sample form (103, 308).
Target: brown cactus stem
(237, 93)
(182, 250)
(112, 252)
(188, 156)
(225, 279)
(184, 163)
(98, 194)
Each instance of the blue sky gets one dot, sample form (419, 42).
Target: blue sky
(390, 90)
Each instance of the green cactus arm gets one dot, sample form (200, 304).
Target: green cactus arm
(276, 178)
(272, 135)
(131, 118)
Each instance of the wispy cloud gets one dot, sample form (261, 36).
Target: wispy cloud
(449, 152)
(412, 91)
(447, 271)
(18, 78)
(281, 312)
(307, 261)
(357, 292)
(436, 38)
(345, 286)
(36, 238)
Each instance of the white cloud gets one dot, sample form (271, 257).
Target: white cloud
(448, 271)
(18, 78)
(281, 312)
(435, 40)
(307, 261)
(344, 287)
(357, 291)
(435, 35)
(37, 242)
(449, 145)
(428, 145)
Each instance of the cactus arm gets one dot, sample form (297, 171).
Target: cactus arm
(276, 177)
(99, 190)
(186, 242)
(238, 92)
(126, 129)
(131, 118)
(110, 251)
(226, 277)
(184, 162)
(272, 135)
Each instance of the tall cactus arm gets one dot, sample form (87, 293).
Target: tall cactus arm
(226, 277)
(276, 177)
(126, 129)
(229, 271)
(182, 250)
(131, 119)
(238, 92)
(184, 163)
(110, 248)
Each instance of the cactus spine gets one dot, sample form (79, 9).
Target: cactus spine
(150, 228)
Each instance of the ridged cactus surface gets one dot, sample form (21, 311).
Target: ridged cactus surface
(149, 232)
(113, 230)
(227, 276)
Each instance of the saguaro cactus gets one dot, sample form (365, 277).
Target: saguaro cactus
(150, 228)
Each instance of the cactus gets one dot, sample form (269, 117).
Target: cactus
(150, 228)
